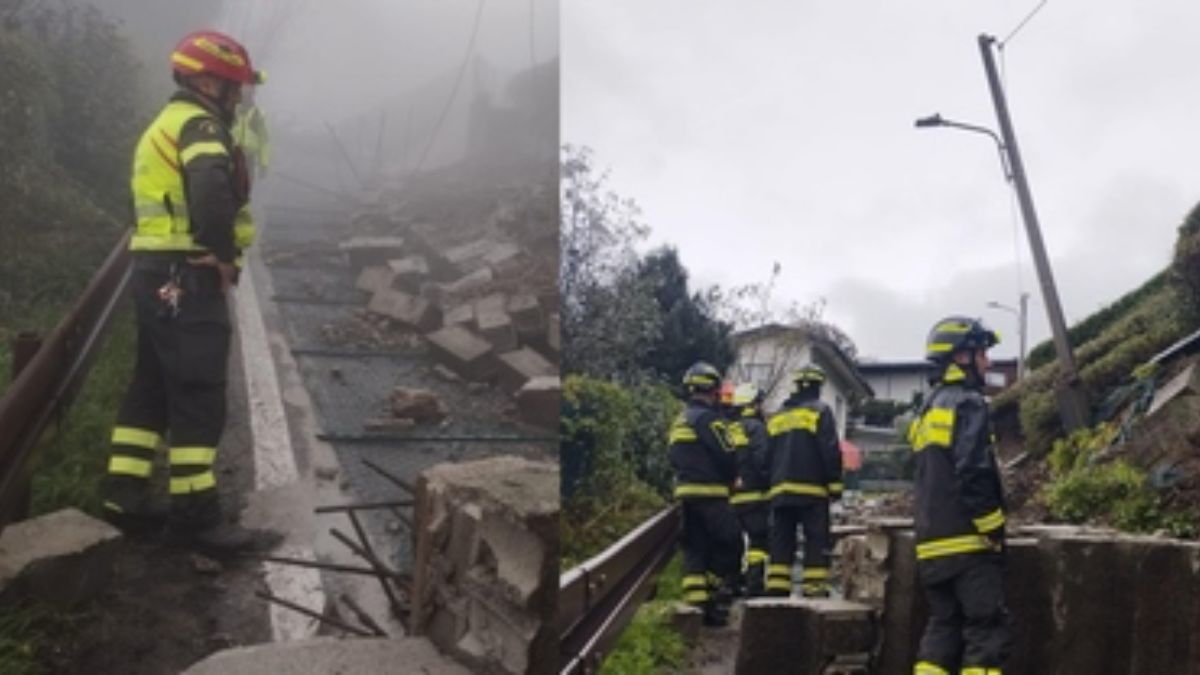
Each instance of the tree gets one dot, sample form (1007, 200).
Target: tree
(609, 314)
(690, 329)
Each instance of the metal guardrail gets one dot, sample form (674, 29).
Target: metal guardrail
(597, 599)
(52, 377)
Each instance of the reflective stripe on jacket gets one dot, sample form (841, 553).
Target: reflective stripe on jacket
(701, 454)
(805, 457)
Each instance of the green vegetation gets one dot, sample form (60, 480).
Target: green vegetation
(70, 113)
(651, 644)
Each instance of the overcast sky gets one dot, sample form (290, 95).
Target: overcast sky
(754, 132)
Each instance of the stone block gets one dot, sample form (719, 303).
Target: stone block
(408, 273)
(363, 252)
(494, 302)
(539, 401)
(802, 636)
(527, 317)
(463, 351)
(485, 576)
(374, 279)
(520, 366)
(496, 327)
(468, 257)
(463, 314)
(62, 558)
(504, 259)
(414, 312)
(471, 282)
(1165, 630)
(1030, 602)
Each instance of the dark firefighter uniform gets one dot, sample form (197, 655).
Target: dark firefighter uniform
(189, 187)
(749, 500)
(806, 472)
(705, 468)
(959, 518)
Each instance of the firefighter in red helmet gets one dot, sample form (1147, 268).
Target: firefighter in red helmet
(189, 188)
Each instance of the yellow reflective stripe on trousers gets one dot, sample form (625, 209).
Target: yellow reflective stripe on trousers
(193, 456)
(796, 419)
(202, 148)
(929, 668)
(755, 556)
(747, 497)
(815, 573)
(694, 581)
(935, 427)
(198, 483)
(695, 597)
(937, 548)
(138, 438)
(777, 569)
(792, 488)
(836, 488)
(130, 466)
(701, 490)
(990, 522)
(779, 584)
(979, 670)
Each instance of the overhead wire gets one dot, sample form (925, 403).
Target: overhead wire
(462, 70)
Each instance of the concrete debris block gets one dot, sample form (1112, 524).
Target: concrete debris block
(504, 259)
(463, 351)
(462, 314)
(471, 282)
(687, 620)
(408, 273)
(363, 252)
(520, 366)
(494, 302)
(802, 636)
(485, 574)
(1182, 384)
(539, 400)
(345, 656)
(527, 317)
(411, 311)
(419, 405)
(497, 328)
(469, 257)
(373, 279)
(863, 570)
(62, 558)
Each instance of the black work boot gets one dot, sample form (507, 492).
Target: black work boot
(223, 539)
(128, 507)
(196, 523)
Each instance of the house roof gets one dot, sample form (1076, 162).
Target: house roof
(916, 366)
(835, 357)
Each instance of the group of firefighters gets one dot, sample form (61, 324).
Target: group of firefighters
(747, 481)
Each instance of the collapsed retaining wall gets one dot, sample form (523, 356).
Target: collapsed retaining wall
(485, 573)
(1084, 601)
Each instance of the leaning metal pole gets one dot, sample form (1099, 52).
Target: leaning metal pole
(1072, 402)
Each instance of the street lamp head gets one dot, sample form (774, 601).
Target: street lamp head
(934, 120)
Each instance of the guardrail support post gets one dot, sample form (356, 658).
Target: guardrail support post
(24, 347)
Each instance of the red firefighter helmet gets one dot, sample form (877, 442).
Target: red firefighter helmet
(211, 53)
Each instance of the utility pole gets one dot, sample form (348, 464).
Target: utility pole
(1072, 402)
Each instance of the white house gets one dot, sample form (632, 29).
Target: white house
(768, 355)
(900, 381)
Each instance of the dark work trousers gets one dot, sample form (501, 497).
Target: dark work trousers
(176, 397)
(969, 625)
(814, 518)
(712, 554)
(754, 519)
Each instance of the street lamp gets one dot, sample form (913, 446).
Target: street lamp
(1021, 313)
(1072, 401)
